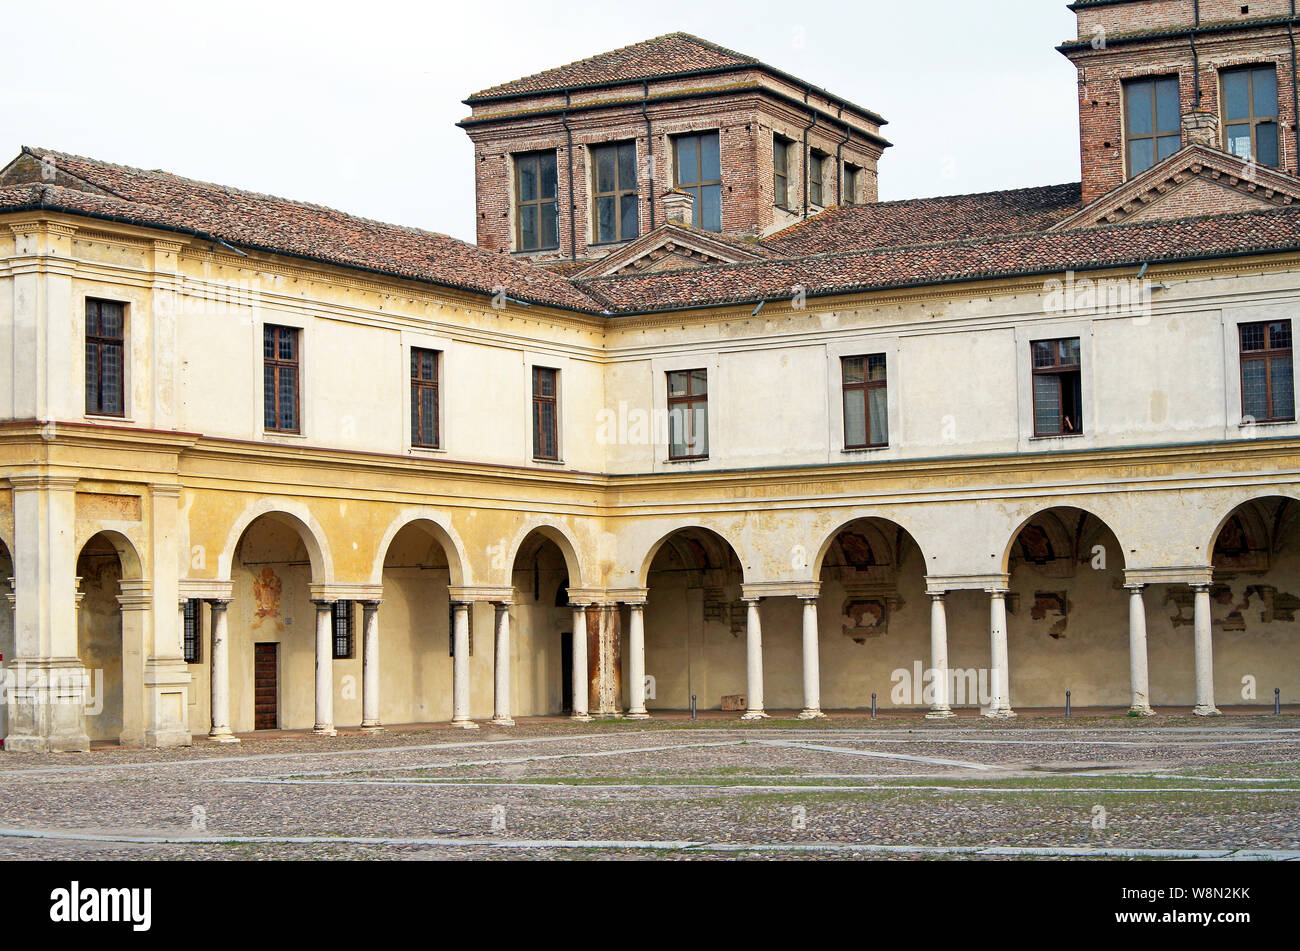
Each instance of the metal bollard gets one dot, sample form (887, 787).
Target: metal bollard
(873, 706)
(1067, 703)
(1277, 700)
(692, 706)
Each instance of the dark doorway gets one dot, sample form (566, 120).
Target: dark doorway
(266, 665)
(566, 652)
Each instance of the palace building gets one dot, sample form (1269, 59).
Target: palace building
(698, 421)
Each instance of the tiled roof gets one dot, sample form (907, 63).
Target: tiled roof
(267, 223)
(927, 220)
(670, 55)
(896, 267)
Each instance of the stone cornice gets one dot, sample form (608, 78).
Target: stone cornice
(345, 592)
(1190, 574)
(940, 584)
(206, 590)
(779, 589)
(503, 593)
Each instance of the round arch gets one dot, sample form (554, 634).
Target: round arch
(439, 527)
(1287, 493)
(643, 574)
(820, 559)
(1058, 531)
(297, 515)
(132, 567)
(563, 540)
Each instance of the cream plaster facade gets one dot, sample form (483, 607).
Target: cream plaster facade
(107, 524)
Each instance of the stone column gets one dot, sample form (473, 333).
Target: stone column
(460, 668)
(636, 661)
(501, 666)
(940, 708)
(581, 674)
(370, 667)
(219, 673)
(1000, 681)
(1140, 702)
(812, 689)
(754, 661)
(1202, 625)
(324, 669)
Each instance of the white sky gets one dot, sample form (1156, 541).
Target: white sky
(353, 105)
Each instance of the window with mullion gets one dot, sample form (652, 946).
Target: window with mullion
(1058, 387)
(1267, 382)
(342, 617)
(105, 346)
(546, 443)
(688, 414)
(1250, 113)
(866, 402)
(781, 172)
(1152, 122)
(537, 210)
(424, 398)
(280, 379)
(698, 170)
(615, 192)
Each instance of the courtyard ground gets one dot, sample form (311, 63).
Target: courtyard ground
(1097, 785)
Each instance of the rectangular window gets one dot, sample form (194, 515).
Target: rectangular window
(1152, 122)
(424, 398)
(537, 210)
(342, 630)
(781, 171)
(866, 402)
(852, 174)
(688, 414)
(280, 374)
(698, 170)
(617, 207)
(1250, 113)
(105, 346)
(546, 444)
(1267, 387)
(193, 633)
(816, 168)
(451, 628)
(1058, 387)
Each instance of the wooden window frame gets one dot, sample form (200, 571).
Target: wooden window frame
(698, 183)
(849, 184)
(617, 194)
(1060, 369)
(542, 404)
(419, 385)
(781, 171)
(539, 202)
(689, 400)
(341, 617)
(865, 386)
(1254, 120)
(192, 632)
(96, 343)
(276, 364)
(1156, 134)
(817, 177)
(1265, 356)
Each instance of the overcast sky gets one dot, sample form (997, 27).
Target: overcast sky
(354, 105)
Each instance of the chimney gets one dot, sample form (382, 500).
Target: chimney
(679, 208)
(1201, 127)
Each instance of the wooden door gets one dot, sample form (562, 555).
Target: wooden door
(266, 666)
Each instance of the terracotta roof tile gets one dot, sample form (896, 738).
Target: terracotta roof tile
(670, 55)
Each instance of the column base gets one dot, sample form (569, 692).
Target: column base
(1141, 712)
(47, 706)
(581, 718)
(372, 728)
(1006, 714)
(223, 737)
(940, 713)
(754, 715)
(324, 731)
(502, 721)
(464, 724)
(811, 714)
(637, 715)
(1206, 710)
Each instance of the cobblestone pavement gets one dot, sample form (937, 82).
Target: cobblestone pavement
(842, 788)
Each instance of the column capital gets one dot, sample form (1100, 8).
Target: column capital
(323, 604)
(1136, 588)
(372, 604)
(582, 597)
(628, 596)
(997, 591)
(165, 490)
(136, 595)
(218, 604)
(42, 480)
